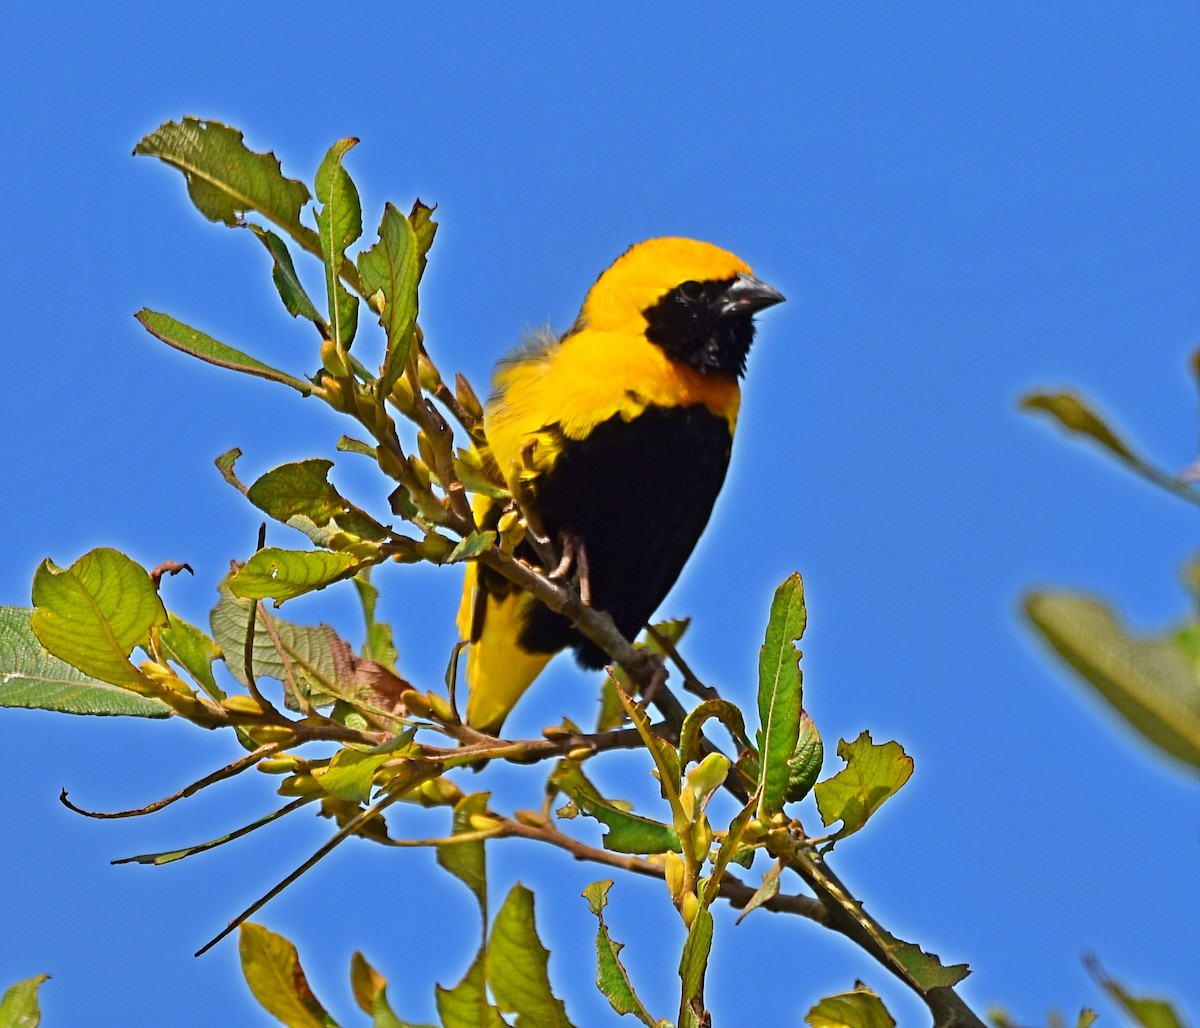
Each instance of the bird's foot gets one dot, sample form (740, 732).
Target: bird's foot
(574, 556)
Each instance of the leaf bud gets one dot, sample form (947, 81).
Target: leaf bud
(440, 708)
(673, 872)
(332, 360)
(435, 548)
(415, 702)
(282, 764)
(242, 704)
(580, 753)
(427, 374)
(441, 792)
(689, 907)
(402, 395)
(299, 785)
(701, 839)
(263, 734)
(530, 818)
(483, 823)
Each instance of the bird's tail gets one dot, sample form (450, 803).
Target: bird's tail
(498, 669)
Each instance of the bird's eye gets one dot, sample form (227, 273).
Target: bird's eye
(690, 290)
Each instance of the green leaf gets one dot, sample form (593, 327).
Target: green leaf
(302, 497)
(192, 650)
(858, 1009)
(350, 774)
(611, 977)
(804, 765)
(379, 645)
(626, 832)
(283, 273)
(304, 651)
(467, 861)
(517, 966)
(32, 678)
(19, 1005)
(389, 272)
(925, 969)
(689, 736)
(273, 972)
(95, 612)
(224, 178)
(189, 340)
(466, 1005)
(339, 223)
(282, 575)
(470, 546)
(780, 693)
(872, 774)
(693, 964)
(1151, 682)
(1147, 1011)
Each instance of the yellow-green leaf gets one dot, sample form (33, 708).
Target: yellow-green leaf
(273, 972)
(517, 964)
(19, 1005)
(861, 1008)
(95, 612)
(611, 977)
(281, 575)
(872, 774)
(1151, 682)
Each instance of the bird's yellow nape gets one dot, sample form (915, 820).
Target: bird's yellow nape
(650, 270)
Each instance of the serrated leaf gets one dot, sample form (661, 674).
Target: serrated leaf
(1150, 681)
(280, 575)
(19, 1005)
(626, 832)
(517, 964)
(339, 223)
(283, 273)
(389, 271)
(302, 497)
(861, 1008)
(190, 340)
(307, 651)
(273, 972)
(780, 694)
(872, 774)
(926, 969)
(224, 178)
(32, 678)
(424, 228)
(611, 977)
(466, 1004)
(94, 613)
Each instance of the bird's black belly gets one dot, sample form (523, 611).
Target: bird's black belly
(637, 494)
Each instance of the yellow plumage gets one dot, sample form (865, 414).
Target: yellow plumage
(635, 404)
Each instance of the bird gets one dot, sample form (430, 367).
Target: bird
(615, 438)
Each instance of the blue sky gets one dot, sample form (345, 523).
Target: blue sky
(960, 201)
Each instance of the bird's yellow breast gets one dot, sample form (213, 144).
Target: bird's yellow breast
(573, 386)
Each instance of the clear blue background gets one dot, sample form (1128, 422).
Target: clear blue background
(961, 202)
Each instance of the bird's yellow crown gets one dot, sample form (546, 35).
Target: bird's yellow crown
(650, 270)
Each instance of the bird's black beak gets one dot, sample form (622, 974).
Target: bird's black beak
(747, 295)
